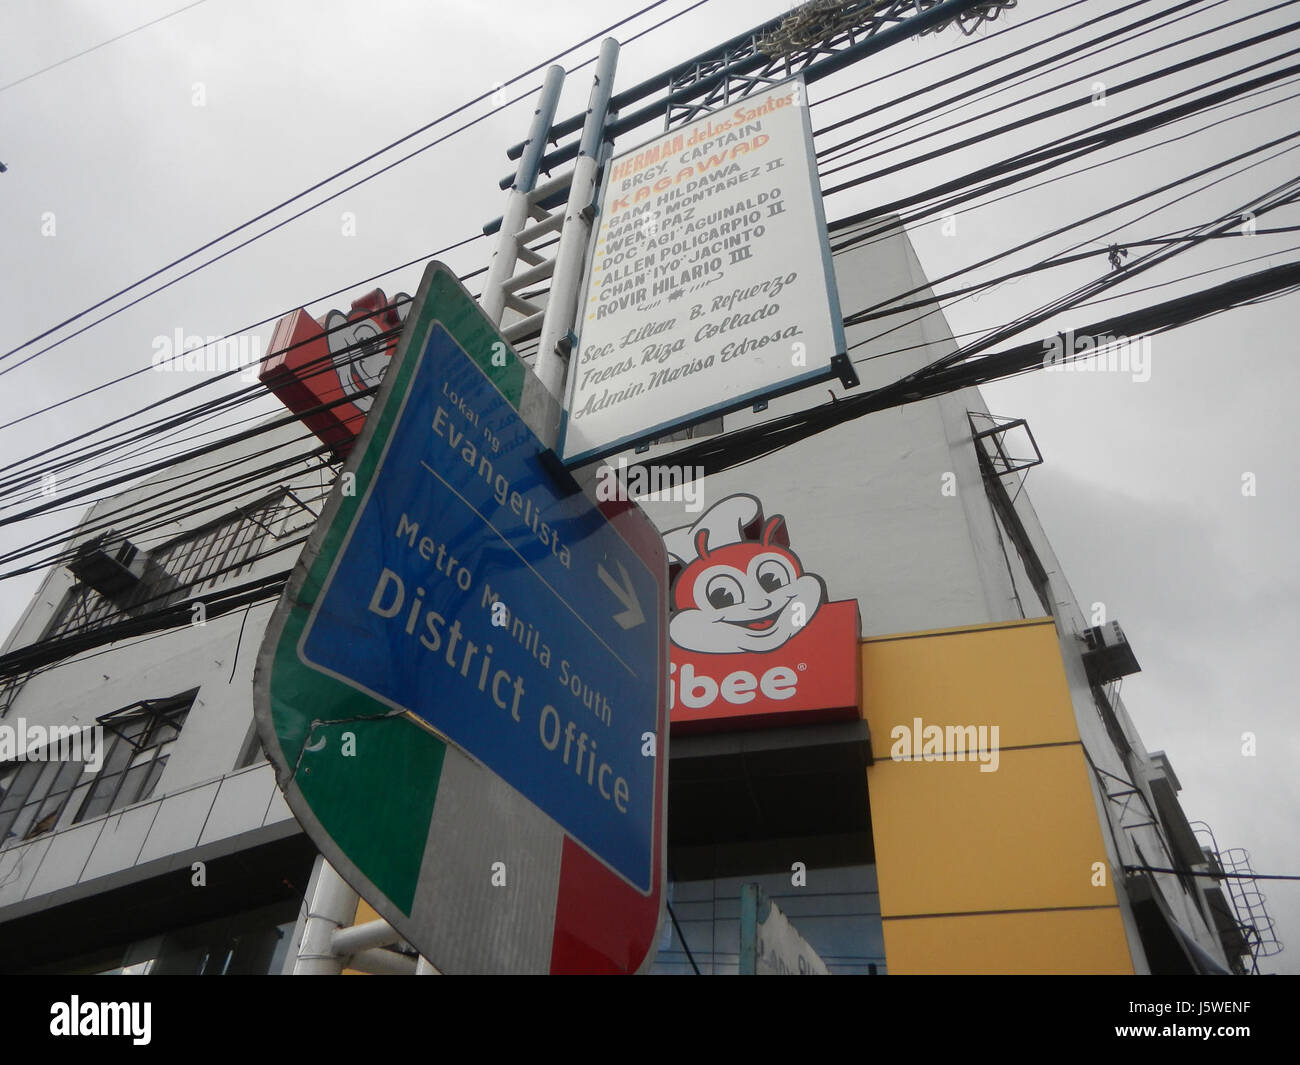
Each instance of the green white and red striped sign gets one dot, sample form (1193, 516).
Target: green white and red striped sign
(464, 712)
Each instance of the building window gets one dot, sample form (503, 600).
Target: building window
(186, 566)
(82, 609)
(228, 548)
(138, 741)
(33, 794)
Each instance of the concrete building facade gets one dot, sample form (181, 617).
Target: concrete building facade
(179, 854)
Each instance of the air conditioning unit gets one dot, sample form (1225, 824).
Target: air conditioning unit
(1109, 655)
(112, 565)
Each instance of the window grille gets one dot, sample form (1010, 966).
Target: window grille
(190, 565)
(201, 560)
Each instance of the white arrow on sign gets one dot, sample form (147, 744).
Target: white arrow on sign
(631, 616)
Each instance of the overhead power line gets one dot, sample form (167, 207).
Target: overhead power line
(715, 454)
(1211, 874)
(960, 102)
(1106, 212)
(966, 199)
(995, 85)
(1184, 241)
(968, 182)
(929, 303)
(145, 516)
(51, 460)
(351, 286)
(307, 192)
(178, 459)
(123, 478)
(947, 54)
(1279, 197)
(170, 424)
(733, 449)
(1097, 133)
(170, 509)
(174, 424)
(264, 321)
(1091, 302)
(214, 603)
(97, 47)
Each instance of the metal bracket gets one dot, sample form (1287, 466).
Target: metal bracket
(843, 367)
(566, 344)
(558, 472)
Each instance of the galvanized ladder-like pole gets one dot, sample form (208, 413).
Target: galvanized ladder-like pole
(554, 347)
(526, 220)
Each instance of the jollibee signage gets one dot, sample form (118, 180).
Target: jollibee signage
(326, 371)
(753, 640)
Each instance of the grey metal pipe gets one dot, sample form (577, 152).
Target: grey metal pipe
(563, 302)
(518, 204)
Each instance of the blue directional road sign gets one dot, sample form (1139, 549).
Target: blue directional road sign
(469, 585)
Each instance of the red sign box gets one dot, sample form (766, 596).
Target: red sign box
(327, 373)
(815, 676)
(754, 642)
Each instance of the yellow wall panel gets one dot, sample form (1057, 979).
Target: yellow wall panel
(1056, 941)
(986, 871)
(1008, 674)
(952, 839)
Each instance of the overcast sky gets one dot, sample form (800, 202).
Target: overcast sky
(134, 154)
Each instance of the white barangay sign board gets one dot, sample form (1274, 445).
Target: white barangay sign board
(710, 286)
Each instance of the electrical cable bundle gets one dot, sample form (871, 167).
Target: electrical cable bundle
(103, 460)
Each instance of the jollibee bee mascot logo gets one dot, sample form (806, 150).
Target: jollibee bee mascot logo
(361, 341)
(737, 586)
